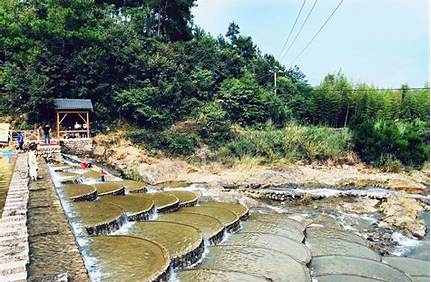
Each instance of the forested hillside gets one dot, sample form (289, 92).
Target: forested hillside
(145, 64)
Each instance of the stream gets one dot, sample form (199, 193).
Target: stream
(192, 232)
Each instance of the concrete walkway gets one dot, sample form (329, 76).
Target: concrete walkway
(14, 248)
(54, 255)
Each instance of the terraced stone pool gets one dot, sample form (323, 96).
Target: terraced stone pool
(129, 232)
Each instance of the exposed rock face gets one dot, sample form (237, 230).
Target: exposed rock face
(77, 146)
(401, 211)
(396, 182)
(134, 161)
(362, 205)
(161, 171)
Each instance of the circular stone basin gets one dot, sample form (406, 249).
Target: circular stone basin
(109, 188)
(186, 198)
(211, 227)
(285, 230)
(284, 245)
(98, 217)
(91, 174)
(183, 242)
(327, 247)
(344, 278)
(281, 218)
(326, 221)
(134, 186)
(137, 208)
(79, 192)
(330, 233)
(125, 258)
(334, 265)
(270, 264)
(163, 201)
(205, 275)
(225, 216)
(411, 266)
(238, 209)
(421, 278)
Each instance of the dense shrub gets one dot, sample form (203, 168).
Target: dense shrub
(173, 143)
(214, 128)
(407, 142)
(244, 100)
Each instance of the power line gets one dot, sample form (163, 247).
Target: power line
(300, 29)
(317, 33)
(293, 27)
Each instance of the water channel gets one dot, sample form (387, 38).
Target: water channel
(189, 232)
(6, 170)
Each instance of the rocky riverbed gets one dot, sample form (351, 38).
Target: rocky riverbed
(127, 159)
(394, 201)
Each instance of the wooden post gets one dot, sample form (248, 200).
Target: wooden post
(88, 126)
(58, 125)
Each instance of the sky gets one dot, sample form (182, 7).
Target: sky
(381, 42)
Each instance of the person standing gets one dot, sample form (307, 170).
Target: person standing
(20, 140)
(32, 162)
(85, 127)
(46, 133)
(77, 127)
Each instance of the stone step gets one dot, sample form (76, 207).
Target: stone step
(14, 237)
(12, 267)
(7, 231)
(15, 277)
(13, 218)
(14, 246)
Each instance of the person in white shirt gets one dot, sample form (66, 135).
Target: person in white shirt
(77, 126)
(32, 162)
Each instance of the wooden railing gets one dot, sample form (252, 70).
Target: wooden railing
(29, 135)
(69, 134)
(37, 135)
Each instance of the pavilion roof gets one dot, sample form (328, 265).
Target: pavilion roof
(73, 104)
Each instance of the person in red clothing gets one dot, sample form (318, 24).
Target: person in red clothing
(103, 173)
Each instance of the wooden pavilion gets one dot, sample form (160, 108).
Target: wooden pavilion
(73, 110)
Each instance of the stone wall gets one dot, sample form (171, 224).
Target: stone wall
(51, 153)
(77, 146)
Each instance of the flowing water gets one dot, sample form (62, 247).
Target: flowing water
(221, 240)
(6, 170)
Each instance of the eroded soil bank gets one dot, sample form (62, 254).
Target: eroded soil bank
(134, 162)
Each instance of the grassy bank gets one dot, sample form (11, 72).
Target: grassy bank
(291, 144)
(391, 146)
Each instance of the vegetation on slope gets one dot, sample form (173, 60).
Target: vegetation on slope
(146, 64)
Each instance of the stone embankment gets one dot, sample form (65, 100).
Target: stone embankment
(77, 146)
(49, 153)
(14, 247)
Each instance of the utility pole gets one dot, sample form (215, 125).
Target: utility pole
(275, 71)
